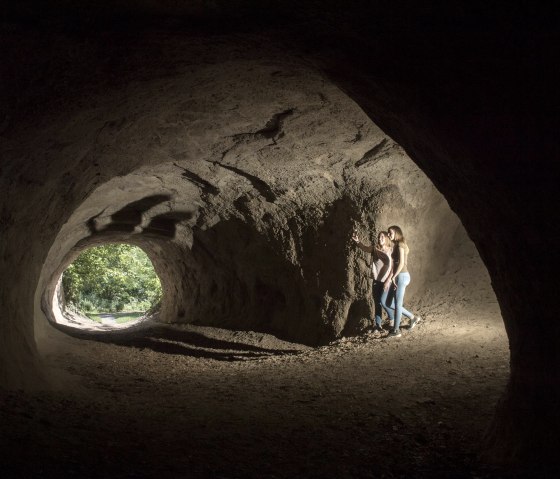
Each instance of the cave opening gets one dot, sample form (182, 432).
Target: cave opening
(109, 287)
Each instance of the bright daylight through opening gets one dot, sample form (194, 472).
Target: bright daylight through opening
(113, 285)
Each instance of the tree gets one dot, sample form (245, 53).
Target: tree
(112, 277)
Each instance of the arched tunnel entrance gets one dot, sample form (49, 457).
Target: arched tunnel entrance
(106, 287)
(242, 172)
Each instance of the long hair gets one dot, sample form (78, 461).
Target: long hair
(399, 237)
(387, 241)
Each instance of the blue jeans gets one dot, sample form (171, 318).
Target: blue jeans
(380, 302)
(397, 296)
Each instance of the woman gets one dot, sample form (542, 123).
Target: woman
(382, 271)
(400, 279)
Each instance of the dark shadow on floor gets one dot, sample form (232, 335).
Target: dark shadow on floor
(169, 340)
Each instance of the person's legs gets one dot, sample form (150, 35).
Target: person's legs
(407, 313)
(403, 280)
(377, 301)
(387, 300)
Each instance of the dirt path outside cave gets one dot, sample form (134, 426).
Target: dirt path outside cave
(203, 402)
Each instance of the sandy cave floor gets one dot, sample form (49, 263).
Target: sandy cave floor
(204, 402)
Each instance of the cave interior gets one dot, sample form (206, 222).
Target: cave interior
(240, 144)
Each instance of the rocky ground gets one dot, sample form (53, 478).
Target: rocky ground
(180, 401)
(204, 402)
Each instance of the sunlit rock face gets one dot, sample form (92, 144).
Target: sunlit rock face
(243, 182)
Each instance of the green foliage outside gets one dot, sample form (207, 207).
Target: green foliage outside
(111, 278)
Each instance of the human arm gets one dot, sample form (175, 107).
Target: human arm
(362, 246)
(387, 284)
(400, 266)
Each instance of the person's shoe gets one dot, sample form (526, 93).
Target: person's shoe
(414, 321)
(394, 334)
(379, 328)
(370, 330)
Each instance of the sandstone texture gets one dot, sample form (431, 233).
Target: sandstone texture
(246, 204)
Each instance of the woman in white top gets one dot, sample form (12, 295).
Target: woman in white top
(382, 268)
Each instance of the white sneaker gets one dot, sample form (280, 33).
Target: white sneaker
(414, 321)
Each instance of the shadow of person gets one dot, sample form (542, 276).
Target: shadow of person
(170, 340)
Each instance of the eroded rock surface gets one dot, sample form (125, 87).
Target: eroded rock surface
(249, 226)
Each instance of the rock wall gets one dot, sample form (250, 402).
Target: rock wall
(250, 228)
